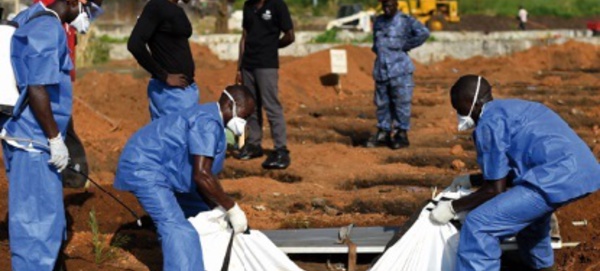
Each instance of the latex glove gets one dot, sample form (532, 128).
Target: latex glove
(442, 213)
(463, 181)
(59, 153)
(237, 218)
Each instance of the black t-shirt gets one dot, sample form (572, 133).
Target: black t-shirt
(263, 28)
(165, 28)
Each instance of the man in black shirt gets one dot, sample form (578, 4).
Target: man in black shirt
(258, 64)
(165, 29)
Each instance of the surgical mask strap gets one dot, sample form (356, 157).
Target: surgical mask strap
(476, 94)
(233, 101)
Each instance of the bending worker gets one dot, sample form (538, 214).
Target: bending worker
(165, 29)
(183, 152)
(529, 148)
(40, 59)
(394, 34)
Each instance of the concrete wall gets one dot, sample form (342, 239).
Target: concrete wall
(459, 45)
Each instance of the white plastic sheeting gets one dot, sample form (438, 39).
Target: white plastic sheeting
(250, 252)
(8, 85)
(425, 246)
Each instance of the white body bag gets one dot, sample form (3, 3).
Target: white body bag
(425, 246)
(249, 252)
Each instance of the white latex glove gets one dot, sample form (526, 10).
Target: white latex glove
(237, 218)
(442, 213)
(59, 153)
(463, 181)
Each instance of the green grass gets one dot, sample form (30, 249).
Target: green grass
(560, 8)
(113, 40)
(102, 251)
(329, 36)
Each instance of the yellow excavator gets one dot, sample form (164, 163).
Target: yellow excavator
(433, 13)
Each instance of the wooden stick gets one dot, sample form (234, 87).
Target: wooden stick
(351, 255)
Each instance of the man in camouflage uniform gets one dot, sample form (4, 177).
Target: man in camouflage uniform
(394, 34)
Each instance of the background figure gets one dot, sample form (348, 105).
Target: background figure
(258, 66)
(394, 34)
(522, 17)
(165, 29)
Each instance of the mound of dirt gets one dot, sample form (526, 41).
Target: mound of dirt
(518, 67)
(303, 80)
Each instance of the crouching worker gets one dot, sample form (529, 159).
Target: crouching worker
(183, 152)
(529, 148)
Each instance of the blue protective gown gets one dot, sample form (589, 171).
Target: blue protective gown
(393, 69)
(157, 163)
(165, 100)
(39, 56)
(552, 166)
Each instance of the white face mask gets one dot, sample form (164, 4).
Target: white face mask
(467, 122)
(82, 21)
(236, 124)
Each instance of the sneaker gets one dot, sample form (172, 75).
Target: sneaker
(399, 140)
(250, 151)
(381, 138)
(278, 159)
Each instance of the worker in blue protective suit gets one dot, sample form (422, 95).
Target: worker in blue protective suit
(183, 152)
(528, 148)
(160, 44)
(41, 63)
(394, 34)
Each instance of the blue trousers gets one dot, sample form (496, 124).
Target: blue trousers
(165, 100)
(179, 240)
(520, 211)
(393, 100)
(36, 214)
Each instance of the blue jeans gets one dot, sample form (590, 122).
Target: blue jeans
(393, 100)
(520, 211)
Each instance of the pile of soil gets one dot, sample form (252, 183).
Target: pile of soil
(332, 181)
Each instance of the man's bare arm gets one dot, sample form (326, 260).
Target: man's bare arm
(238, 76)
(39, 102)
(287, 39)
(208, 185)
(488, 190)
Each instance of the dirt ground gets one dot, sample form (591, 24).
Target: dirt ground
(363, 186)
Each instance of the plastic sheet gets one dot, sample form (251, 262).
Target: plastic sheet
(8, 84)
(250, 252)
